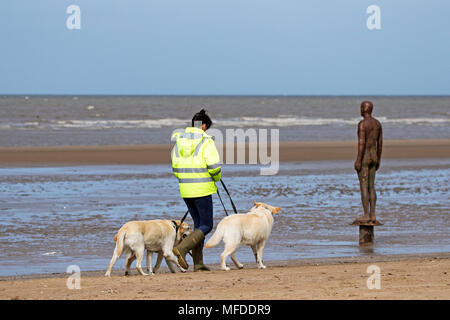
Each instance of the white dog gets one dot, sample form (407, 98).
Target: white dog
(251, 229)
(160, 236)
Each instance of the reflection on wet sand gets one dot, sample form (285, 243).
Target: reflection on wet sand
(52, 217)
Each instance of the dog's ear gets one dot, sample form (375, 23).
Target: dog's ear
(276, 210)
(185, 226)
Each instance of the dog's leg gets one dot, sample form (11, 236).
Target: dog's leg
(255, 252)
(112, 262)
(149, 262)
(260, 248)
(139, 252)
(229, 249)
(170, 265)
(170, 257)
(158, 262)
(130, 257)
(236, 262)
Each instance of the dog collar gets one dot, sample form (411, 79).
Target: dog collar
(175, 225)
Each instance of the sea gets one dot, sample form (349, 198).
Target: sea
(100, 120)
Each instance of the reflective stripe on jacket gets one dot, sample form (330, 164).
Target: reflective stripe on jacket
(195, 163)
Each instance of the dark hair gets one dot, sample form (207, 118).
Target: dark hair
(203, 117)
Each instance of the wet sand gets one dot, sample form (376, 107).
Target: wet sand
(69, 215)
(160, 153)
(402, 277)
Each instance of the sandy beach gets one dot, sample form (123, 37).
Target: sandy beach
(401, 277)
(160, 153)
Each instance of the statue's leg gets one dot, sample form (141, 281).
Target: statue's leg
(372, 192)
(363, 177)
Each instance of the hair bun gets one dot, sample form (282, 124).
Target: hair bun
(203, 117)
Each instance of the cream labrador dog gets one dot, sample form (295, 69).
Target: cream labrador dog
(134, 237)
(251, 229)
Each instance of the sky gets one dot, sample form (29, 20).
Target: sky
(225, 47)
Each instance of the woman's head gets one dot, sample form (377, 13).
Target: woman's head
(201, 119)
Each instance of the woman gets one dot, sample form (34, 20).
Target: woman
(195, 162)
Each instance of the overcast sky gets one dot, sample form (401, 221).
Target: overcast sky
(225, 47)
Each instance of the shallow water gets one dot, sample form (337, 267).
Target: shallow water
(53, 217)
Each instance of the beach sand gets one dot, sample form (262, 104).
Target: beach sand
(402, 277)
(156, 154)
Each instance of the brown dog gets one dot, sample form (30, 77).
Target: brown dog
(134, 237)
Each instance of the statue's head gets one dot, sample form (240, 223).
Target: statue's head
(366, 108)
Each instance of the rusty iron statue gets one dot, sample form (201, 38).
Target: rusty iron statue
(370, 145)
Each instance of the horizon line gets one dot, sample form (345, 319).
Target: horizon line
(216, 95)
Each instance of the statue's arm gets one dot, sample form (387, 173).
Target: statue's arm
(361, 146)
(379, 146)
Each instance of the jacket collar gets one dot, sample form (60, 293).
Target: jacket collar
(196, 130)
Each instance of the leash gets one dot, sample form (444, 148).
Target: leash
(220, 198)
(231, 200)
(184, 217)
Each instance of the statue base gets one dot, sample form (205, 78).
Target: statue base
(366, 231)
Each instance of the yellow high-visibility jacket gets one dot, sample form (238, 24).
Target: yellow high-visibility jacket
(195, 163)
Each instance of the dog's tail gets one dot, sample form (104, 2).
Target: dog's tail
(119, 238)
(216, 238)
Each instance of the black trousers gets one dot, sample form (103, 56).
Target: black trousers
(201, 211)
